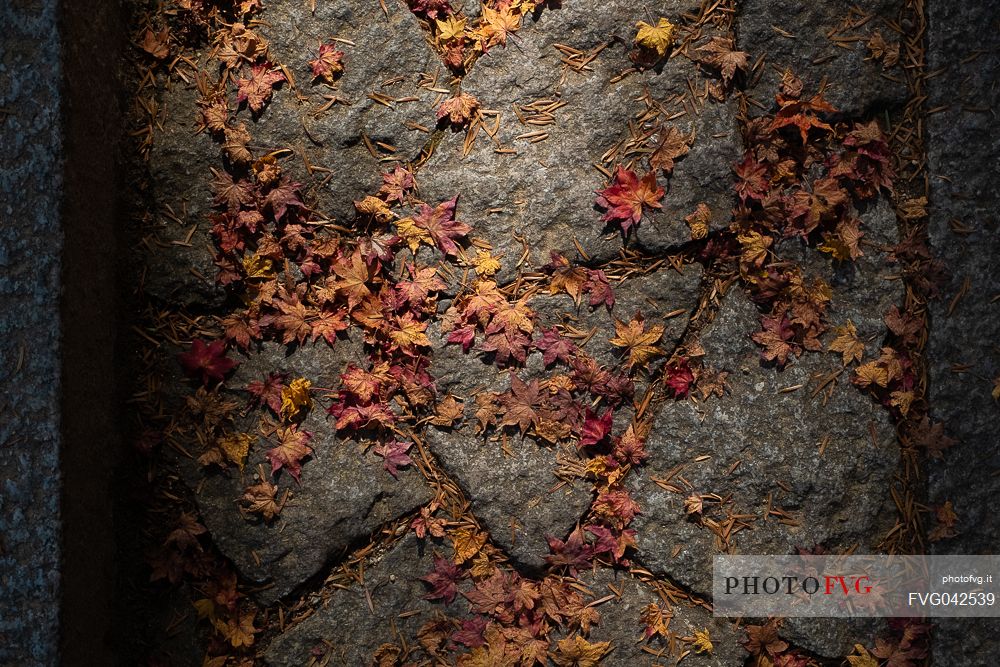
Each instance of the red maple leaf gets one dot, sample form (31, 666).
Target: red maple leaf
(268, 391)
(293, 446)
(470, 634)
(256, 90)
(283, 195)
(396, 184)
(599, 289)
(431, 9)
(554, 345)
(574, 553)
(442, 580)
(464, 336)
(677, 376)
(440, 223)
(327, 65)
(595, 429)
(625, 197)
(207, 361)
(394, 455)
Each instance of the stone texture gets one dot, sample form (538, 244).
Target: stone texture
(354, 631)
(839, 498)
(31, 189)
(544, 193)
(180, 253)
(389, 57)
(962, 147)
(621, 624)
(344, 496)
(857, 85)
(511, 494)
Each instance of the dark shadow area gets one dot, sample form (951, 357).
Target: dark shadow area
(93, 36)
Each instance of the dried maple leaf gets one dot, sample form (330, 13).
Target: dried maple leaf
(625, 198)
(293, 446)
(458, 111)
(256, 90)
(847, 343)
(443, 580)
(499, 24)
(521, 404)
(672, 145)
(375, 208)
(486, 264)
(599, 289)
(554, 346)
(206, 361)
(156, 44)
(430, 8)
(396, 185)
(295, 399)
(702, 642)
(575, 553)
(931, 436)
(775, 339)
(440, 224)
(394, 455)
(861, 657)
(657, 38)
(764, 639)
(630, 448)
(753, 182)
(238, 631)
(353, 276)
(946, 519)
(185, 535)
(719, 53)
(871, 373)
(466, 542)
(576, 651)
(802, 115)
(699, 220)
(427, 524)
(641, 344)
(236, 446)
(447, 412)
(897, 655)
(327, 65)
(262, 499)
(677, 377)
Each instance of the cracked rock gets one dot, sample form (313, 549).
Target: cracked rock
(542, 192)
(344, 496)
(837, 499)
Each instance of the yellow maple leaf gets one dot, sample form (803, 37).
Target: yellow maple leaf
(466, 542)
(485, 264)
(256, 266)
(408, 230)
(450, 28)
(702, 641)
(848, 343)
(863, 657)
(641, 344)
(236, 446)
(871, 373)
(659, 38)
(295, 399)
(576, 651)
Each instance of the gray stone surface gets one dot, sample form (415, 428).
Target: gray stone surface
(353, 629)
(512, 494)
(544, 192)
(621, 624)
(962, 148)
(389, 56)
(857, 84)
(840, 498)
(31, 189)
(344, 495)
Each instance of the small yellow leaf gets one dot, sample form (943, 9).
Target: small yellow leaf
(863, 657)
(295, 399)
(450, 28)
(413, 235)
(467, 542)
(702, 641)
(658, 38)
(236, 446)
